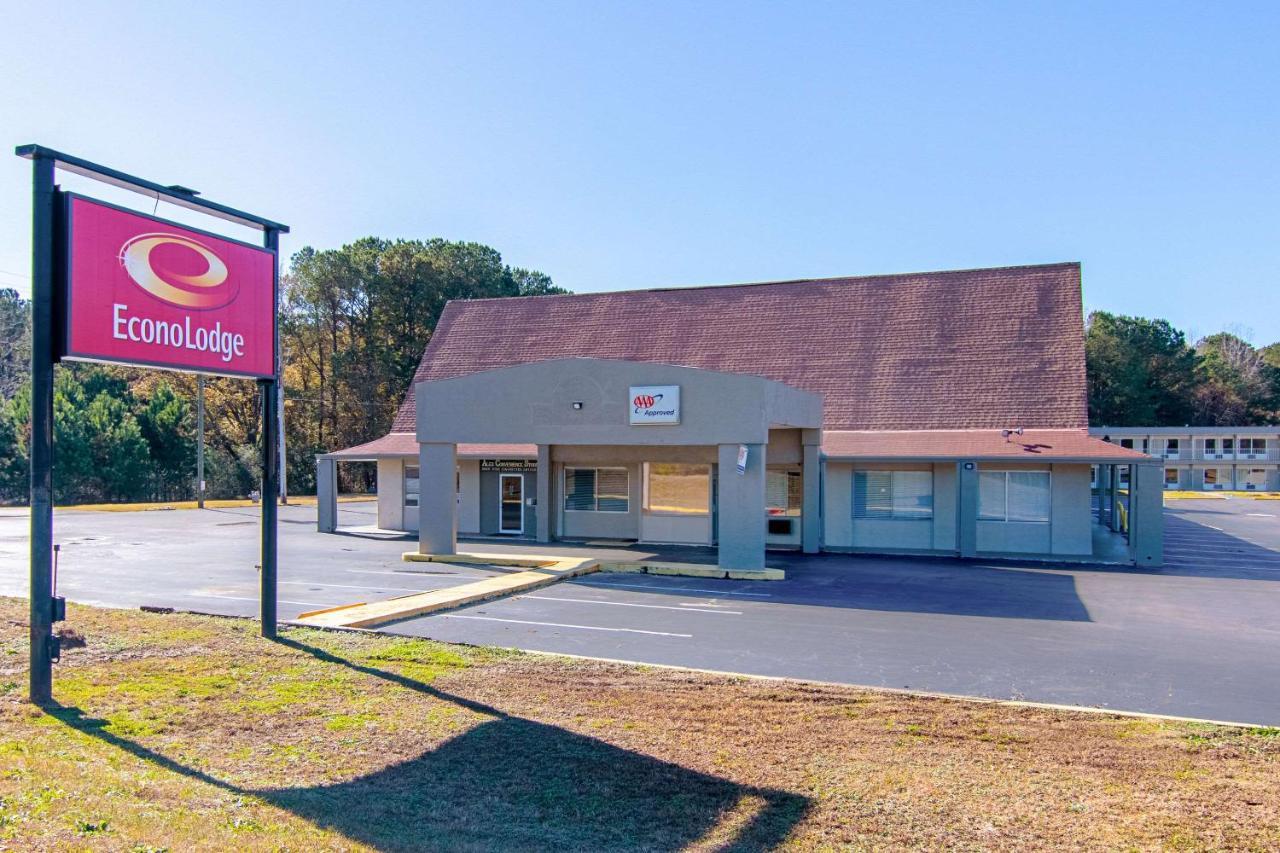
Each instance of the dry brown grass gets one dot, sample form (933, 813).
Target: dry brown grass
(187, 732)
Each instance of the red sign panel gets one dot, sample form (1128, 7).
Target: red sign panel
(141, 290)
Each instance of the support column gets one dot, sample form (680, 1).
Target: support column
(811, 502)
(1104, 494)
(1146, 515)
(326, 494)
(1113, 514)
(43, 644)
(544, 493)
(967, 508)
(741, 505)
(437, 501)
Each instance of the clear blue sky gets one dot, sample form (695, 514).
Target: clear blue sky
(620, 145)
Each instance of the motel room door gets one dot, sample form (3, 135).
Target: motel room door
(511, 503)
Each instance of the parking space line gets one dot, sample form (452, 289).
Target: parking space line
(657, 588)
(684, 608)
(564, 625)
(255, 598)
(413, 573)
(349, 586)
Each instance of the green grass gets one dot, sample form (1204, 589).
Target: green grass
(182, 732)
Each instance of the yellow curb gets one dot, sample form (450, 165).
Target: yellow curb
(693, 570)
(475, 558)
(544, 571)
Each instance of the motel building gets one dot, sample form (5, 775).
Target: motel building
(939, 413)
(1205, 459)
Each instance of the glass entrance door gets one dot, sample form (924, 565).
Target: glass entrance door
(511, 503)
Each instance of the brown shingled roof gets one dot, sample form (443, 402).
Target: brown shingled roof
(1034, 445)
(964, 349)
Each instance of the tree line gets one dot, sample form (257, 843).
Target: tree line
(353, 324)
(1145, 373)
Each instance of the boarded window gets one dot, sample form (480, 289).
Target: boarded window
(679, 489)
(783, 492)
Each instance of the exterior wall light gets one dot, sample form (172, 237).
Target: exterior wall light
(577, 405)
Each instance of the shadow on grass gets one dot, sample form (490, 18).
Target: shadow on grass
(512, 783)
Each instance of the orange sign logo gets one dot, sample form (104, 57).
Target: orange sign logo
(202, 291)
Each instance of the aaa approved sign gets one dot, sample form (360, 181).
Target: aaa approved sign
(142, 290)
(655, 404)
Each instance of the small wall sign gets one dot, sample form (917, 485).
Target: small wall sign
(508, 465)
(654, 404)
(742, 459)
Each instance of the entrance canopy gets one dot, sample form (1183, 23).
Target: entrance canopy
(590, 401)
(609, 412)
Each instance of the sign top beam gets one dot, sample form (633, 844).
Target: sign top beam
(175, 195)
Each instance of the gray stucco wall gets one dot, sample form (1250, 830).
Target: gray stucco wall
(844, 531)
(1067, 533)
(535, 403)
(391, 494)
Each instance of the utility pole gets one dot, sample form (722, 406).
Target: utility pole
(200, 440)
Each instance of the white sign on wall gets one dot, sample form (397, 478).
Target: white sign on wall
(655, 404)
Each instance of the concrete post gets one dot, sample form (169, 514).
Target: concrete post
(741, 503)
(1113, 514)
(967, 508)
(543, 533)
(326, 494)
(1104, 495)
(811, 503)
(1146, 515)
(437, 502)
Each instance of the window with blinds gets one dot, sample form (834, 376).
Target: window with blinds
(783, 492)
(893, 494)
(411, 485)
(1014, 496)
(596, 489)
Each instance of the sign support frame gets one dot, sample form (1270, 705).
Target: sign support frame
(42, 645)
(45, 347)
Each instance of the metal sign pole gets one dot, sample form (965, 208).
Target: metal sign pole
(200, 440)
(40, 690)
(270, 446)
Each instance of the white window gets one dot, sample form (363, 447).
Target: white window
(1013, 495)
(675, 489)
(1127, 442)
(411, 487)
(1253, 446)
(1210, 447)
(783, 492)
(1255, 478)
(1171, 478)
(1228, 446)
(1171, 448)
(1122, 476)
(893, 494)
(1217, 478)
(596, 489)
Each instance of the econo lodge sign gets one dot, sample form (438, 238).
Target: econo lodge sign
(140, 290)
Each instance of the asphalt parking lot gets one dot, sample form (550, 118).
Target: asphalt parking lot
(1197, 638)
